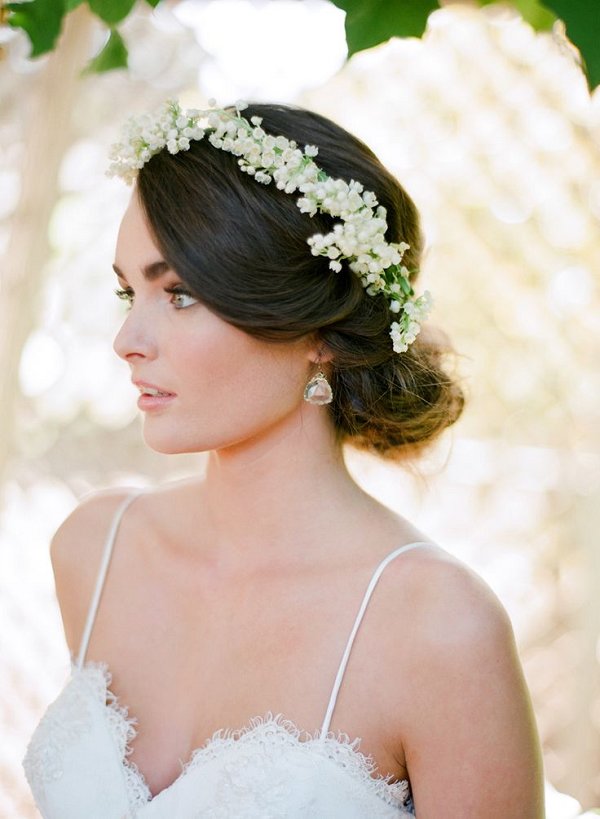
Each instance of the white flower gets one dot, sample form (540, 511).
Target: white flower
(268, 158)
(369, 199)
(358, 236)
(306, 205)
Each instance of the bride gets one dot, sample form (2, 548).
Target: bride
(267, 639)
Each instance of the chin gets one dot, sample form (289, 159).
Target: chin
(170, 444)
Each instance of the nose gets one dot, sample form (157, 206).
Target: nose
(135, 337)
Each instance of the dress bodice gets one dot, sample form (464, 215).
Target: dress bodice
(77, 767)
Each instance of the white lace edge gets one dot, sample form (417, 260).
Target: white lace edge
(333, 745)
(122, 729)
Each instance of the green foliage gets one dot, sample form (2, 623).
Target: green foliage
(111, 11)
(368, 23)
(582, 22)
(536, 14)
(113, 55)
(533, 11)
(41, 20)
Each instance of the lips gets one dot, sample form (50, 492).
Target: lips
(146, 388)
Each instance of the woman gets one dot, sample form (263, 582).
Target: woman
(268, 325)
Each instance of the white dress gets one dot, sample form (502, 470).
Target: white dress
(77, 768)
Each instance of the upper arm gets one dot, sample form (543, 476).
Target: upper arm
(469, 737)
(75, 554)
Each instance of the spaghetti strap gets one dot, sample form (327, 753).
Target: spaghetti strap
(342, 667)
(108, 547)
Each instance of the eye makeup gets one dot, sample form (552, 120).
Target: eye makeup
(178, 292)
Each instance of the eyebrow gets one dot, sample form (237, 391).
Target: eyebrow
(151, 271)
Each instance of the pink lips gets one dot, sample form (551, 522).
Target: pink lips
(153, 402)
(152, 386)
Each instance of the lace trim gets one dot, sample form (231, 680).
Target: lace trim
(337, 746)
(333, 745)
(65, 721)
(121, 727)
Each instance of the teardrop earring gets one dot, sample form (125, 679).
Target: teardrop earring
(318, 390)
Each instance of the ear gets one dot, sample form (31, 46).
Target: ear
(319, 353)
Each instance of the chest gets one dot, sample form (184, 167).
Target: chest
(76, 766)
(188, 661)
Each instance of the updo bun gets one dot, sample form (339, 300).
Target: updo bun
(241, 248)
(397, 408)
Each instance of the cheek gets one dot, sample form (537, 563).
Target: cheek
(229, 373)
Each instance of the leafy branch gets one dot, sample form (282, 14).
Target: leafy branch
(42, 21)
(368, 23)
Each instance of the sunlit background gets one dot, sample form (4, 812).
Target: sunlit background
(491, 129)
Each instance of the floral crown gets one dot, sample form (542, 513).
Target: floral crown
(359, 236)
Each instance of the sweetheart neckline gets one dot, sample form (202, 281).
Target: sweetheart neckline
(338, 743)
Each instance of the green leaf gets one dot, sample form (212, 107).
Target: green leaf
(370, 22)
(41, 20)
(72, 4)
(113, 55)
(532, 11)
(582, 22)
(405, 286)
(153, 3)
(536, 14)
(111, 11)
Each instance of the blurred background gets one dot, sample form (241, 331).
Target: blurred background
(492, 130)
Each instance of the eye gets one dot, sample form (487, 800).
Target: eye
(126, 295)
(179, 293)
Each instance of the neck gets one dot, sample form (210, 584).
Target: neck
(279, 501)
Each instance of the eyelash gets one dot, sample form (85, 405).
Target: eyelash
(127, 294)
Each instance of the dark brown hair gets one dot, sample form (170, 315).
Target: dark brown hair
(241, 247)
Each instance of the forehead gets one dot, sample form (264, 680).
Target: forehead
(135, 247)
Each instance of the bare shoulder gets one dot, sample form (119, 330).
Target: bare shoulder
(467, 724)
(69, 546)
(455, 605)
(441, 601)
(451, 615)
(75, 554)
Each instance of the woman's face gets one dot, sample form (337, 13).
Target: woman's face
(226, 386)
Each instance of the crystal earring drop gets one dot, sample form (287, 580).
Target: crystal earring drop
(318, 390)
